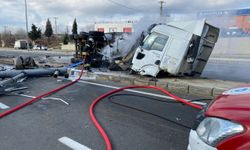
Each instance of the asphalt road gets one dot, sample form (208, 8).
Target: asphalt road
(231, 71)
(133, 121)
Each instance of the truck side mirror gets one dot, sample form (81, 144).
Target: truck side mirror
(141, 43)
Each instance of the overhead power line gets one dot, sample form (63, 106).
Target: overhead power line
(122, 5)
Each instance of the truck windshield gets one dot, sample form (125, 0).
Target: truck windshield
(155, 41)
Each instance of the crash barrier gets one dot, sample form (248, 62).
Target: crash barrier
(97, 100)
(12, 110)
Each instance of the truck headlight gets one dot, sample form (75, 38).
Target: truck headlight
(213, 130)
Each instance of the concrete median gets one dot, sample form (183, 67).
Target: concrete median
(194, 86)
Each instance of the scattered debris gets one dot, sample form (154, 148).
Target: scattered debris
(10, 85)
(25, 63)
(74, 74)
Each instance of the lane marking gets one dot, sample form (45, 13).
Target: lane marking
(72, 144)
(3, 106)
(138, 92)
(45, 98)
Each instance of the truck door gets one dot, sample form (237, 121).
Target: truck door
(148, 57)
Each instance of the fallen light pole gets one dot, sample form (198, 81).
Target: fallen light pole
(34, 72)
(10, 85)
(13, 79)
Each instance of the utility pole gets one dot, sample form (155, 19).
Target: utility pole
(161, 8)
(27, 26)
(67, 29)
(55, 24)
(5, 29)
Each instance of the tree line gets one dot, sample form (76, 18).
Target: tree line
(37, 36)
(36, 33)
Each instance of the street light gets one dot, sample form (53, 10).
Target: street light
(27, 30)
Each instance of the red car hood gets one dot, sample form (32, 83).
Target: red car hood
(235, 107)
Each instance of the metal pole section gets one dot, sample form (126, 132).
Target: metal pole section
(26, 17)
(34, 72)
(13, 79)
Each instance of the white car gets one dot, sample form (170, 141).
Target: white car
(40, 47)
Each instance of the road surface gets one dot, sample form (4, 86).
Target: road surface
(133, 121)
(235, 70)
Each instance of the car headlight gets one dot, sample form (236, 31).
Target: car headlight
(213, 130)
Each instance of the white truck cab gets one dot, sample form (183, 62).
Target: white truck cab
(179, 48)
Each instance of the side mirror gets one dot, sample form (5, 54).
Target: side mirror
(141, 43)
(142, 39)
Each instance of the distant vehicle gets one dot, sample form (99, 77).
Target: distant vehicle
(22, 44)
(224, 124)
(40, 47)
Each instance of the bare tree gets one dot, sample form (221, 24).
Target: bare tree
(20, 34)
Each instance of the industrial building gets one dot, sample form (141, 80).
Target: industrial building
(110, 27)
(233, 22)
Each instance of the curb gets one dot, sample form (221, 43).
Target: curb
(175, 85)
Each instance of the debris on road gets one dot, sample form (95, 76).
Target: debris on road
(25, 63)
(11, 84)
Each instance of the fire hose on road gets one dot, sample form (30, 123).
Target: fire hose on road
(97, 100)
(100, 98)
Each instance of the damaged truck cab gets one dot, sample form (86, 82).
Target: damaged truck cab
(178, 48)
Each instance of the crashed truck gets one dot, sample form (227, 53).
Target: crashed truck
(177, 48)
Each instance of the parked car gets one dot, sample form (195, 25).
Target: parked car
(40, 47)
(224, 124)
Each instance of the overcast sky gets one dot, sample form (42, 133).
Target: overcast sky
(90, 11)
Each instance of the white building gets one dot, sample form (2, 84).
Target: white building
(125, 27)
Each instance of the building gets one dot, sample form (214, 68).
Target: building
(122, 27)
(234, 22)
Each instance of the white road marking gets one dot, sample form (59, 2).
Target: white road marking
(3, 106)
(46, 98)
(135, 91)
(72, 144)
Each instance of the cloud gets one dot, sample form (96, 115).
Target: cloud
(89, 11)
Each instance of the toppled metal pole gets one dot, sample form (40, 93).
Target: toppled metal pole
(9, 85)
(13, 79)
(34, 72)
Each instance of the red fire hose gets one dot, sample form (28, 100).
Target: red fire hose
(99, 127)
